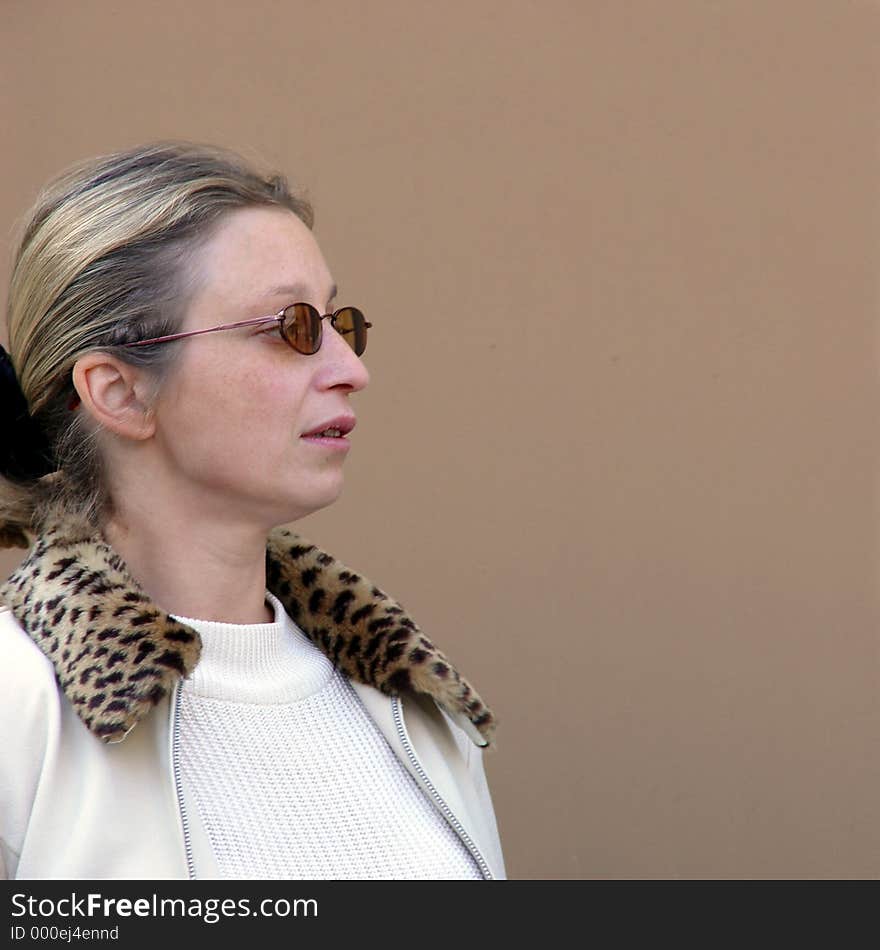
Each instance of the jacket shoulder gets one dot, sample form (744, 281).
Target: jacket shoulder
(24, 666)
(29, 692)
(29, 716)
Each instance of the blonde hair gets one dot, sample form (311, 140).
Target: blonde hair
(104, 258)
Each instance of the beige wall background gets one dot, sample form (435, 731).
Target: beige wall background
(619, 452)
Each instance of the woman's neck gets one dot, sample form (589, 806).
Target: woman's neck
(214, 572)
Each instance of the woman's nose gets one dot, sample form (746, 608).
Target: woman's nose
(351, 367)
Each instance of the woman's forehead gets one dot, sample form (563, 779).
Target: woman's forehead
(263, 253)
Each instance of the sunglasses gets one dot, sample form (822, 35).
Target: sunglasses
(301, 326)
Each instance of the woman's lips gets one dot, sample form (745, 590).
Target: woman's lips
(343, 424)
(337, 442)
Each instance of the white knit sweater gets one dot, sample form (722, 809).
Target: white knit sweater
(291, 776)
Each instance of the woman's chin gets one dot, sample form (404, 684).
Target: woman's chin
(321, 497)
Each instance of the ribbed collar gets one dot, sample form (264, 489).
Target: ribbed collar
(264, 663)
(117, 654)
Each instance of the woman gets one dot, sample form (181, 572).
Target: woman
(190, 689)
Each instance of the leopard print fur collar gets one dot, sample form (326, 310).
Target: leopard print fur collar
(116, 654)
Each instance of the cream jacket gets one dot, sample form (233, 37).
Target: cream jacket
(90, 783)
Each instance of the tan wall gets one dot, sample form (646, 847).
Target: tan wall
(619, 452)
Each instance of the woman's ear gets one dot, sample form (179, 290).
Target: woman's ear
(114, 393)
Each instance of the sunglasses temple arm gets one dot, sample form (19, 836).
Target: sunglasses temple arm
(226, 326)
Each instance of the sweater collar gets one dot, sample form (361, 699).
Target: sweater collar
(117, 654)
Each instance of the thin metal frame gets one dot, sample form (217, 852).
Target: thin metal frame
(253, 322)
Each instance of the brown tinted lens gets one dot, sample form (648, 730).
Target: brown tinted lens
(351, 324)
(302, 328)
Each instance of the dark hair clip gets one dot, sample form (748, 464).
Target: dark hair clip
(25, 453)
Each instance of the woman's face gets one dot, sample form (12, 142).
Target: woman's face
(231, 415)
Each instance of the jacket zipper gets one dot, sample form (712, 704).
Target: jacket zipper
(445, 810)
(178, 782)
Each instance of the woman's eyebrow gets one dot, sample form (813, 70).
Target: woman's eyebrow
(298, 291)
